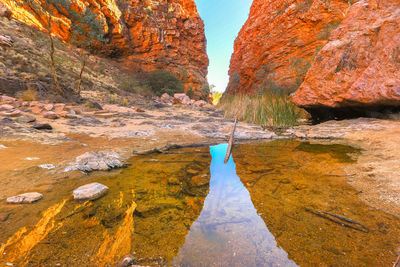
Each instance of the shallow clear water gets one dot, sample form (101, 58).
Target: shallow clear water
(229, 230)
(282, 203)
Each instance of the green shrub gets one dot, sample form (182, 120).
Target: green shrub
(162, 81)
(190, 93)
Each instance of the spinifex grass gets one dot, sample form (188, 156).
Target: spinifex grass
(266, 110)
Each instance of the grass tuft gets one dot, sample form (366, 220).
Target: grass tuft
(267, 110)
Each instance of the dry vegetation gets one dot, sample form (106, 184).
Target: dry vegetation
(25, 69)
(267, 110)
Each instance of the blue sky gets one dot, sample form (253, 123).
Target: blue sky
(223, 20)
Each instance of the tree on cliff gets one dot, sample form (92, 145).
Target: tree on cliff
(45, 17)
(85, 28)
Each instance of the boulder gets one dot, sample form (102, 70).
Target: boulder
(166, 99)
(90, 192)
(42, 126)
(182, 99)
(25, 198)
(96, 161)
(358, 70)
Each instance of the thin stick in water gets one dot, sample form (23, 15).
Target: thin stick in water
(231, 139)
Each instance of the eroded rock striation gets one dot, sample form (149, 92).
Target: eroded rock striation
(358, 71)
(143, 35)
(279, 41)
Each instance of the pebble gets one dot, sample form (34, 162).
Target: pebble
(50, 115)
(25, 119)
(2, 147)
(90, 191)
(47, 166)
(32, 158)
(25, 198)
(15, 113)
(42, 126)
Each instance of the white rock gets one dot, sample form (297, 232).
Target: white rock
(47, 166)
(90, 191)
(25, 198)
(95, 161)
(32, 158)
(3, 147)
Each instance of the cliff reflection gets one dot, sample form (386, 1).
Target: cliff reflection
(296, 187)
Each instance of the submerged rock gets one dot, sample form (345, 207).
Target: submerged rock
(96, 161)
(90, 191)
(25, 198)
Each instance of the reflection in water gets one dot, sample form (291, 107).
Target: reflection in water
(166, 210)
(229, 232)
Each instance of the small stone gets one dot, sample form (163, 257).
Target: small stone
(15, 113)
(25, 198)
(9, 264)
(200, 103)
(5, 98)
(42, 126)
(49, 107)
(4, 217)
(47, 166)
(50, 115)
(2, 147)
(32, 158)
(127, 261)
(90, 191)
(6, 107)
(25, 119)
(139, 110)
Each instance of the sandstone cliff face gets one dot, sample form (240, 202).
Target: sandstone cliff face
(143, 35)
(360, 66)
(277, 44)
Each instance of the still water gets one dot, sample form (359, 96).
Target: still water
(282, 203)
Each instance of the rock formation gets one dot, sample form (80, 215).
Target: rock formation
(358, 71)
(143, 35)
(277, 44)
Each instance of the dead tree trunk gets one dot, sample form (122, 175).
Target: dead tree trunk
(83, 64)
(230, 144)
(52, 64)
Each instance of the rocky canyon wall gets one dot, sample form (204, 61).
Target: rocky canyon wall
(279, 41)
(359, 69)
(143, 35)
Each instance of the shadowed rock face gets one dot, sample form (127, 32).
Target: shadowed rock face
(277, 44)
(143, 35)
(359, 69)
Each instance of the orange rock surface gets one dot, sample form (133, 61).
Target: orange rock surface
(277, 44)
(360, 66)
(143, 35)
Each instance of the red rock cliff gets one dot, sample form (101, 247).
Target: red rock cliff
(277, 44)
(360, 66)
(144, 35)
